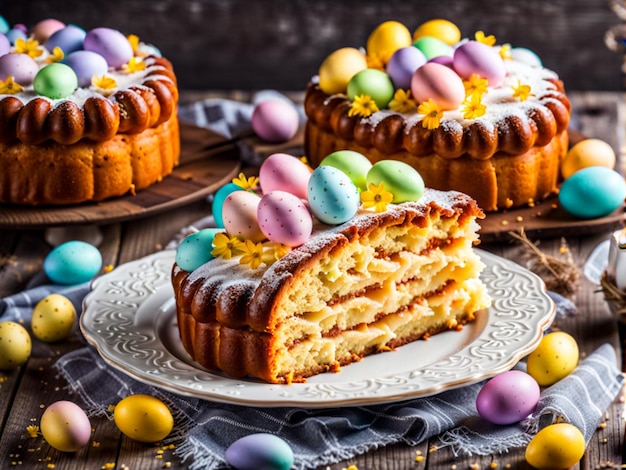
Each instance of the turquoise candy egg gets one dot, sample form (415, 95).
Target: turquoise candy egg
(400, 179)
(4, 25)
(432, 47)
(354, 164)
(333, 197)
(55, 81)
(218, 201)
(195, 249)
(72, 262)
(592, 192)
(373, 83)
(260, 451)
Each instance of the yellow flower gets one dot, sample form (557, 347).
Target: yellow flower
(475, 85)
(376, 62)
(505, 52)
(135, 64)
(521, 91)
(246, 183)
(376, 197)
(133, 39)
(226, 246)
(104, 82)
(363, 105)
(473, 107)
(28, 46)
(57, 55)
(9, 87)
(488, 40)
(432, 114)
(402, 102)
(274, 251)
(32, 430)
(252, 254)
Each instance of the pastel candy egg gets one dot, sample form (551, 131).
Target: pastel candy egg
(69, 39)
(443, 30)
(284, 218)
(21, 67)
(46, 28)
(526, 56)
(592, 192)
(275, 121)
(85, 65)
(110, 44)
(72, 262)
(284, 172)
(559, 445)
(261, 450)
(15, 33)
(5, 45)
(400, 179)
(432, 47)
(55, 81)
(354, 164)
(65, 426)
(554, 358)
(473, 57)
(218, 201)
(333, 197)
(508, 397)
(439, 83)
(4, 25)
(53, 318)
(588, 152)
(143, 418)
(196, 248)
(15, 345)
(339, 67)
(403, 63)
(240, 216)
(373, 83)
(387, 38)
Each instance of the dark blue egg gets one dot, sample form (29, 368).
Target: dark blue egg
(69, 39)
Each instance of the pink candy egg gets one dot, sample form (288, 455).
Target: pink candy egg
(239, 214)
(508, 398)
(284, 172)
(284, 218)
(474, 57)
(20, 66)
(46, 28)
(275, 121)
(110, 44)
(439, 83)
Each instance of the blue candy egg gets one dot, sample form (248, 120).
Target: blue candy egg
(592, 192)
(261, 450)
(333, 197)
(14, 34)
(69, 39)
(195, 249)
(4, 25)
(85, 65)
(72, 262)
(218, 201)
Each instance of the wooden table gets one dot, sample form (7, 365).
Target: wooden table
(25, 392)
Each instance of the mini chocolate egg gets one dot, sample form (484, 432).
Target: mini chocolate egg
(218, 201)
(239, 213)
(69, 39)
(21, 67)
(86, 64)
(333, 197)
(439, 83)
(399, 178)
(432, 47)
(46, 28)
(387, 38)
(261, 450)
(508, 397)
(15, 345)
(53, 318)
(5, 45)
(338, 68)
(275, 121)
(110, 44)
(284, 218)
(14, 34)
(403, 63)
(284, 172)
(354, 164)
(72, 262)
(55, 81)
(556, 446)
(65, 426)
(588, 152)
(195, 249)
(526, 56)
(592, 192)
(374, 83)
(4, 25)
(554, 358)
(443, 30)
(473, 57)
(143, 418)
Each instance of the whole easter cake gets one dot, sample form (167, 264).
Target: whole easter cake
(84, 115)
(470, 115)
(313, 271)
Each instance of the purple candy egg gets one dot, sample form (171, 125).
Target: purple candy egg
(21, 67)
(86, 64)
(474, 57)
(5, 44)
(110, 44)
(261, 450)
(402, 64)
(443, 60)
(275, 120)
(69, 39)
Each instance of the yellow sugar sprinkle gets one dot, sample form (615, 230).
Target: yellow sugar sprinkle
(351, 467)
(108, 268)
(95, 444)
(419, 458)
(493, 465)
(602, 425)
(108, 466)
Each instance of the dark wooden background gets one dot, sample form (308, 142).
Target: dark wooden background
(258, 44)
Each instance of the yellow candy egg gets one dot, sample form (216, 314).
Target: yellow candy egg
(53, 318)
(444, 30)
(556, 446)
(15, 345)
(387, 38)
(339, 67)
(65, 426)
(555, 357)
(586, 153)
(143, 418)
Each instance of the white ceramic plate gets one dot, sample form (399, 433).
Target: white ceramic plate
(129, 316)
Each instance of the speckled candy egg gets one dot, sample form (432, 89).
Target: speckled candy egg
(21, 67)
(373, 83)
(240, 216)
(556, 446)
(143, 418)
(432, 47)
(284, 218)
(55, 81)
(339, 67)
(275, 121)
(46, 28)
(110, 44)
(5, 44)
(195, 249)
(592, 192)
(443, 30)
(261, 450)
(69, 39)
(65, 426)
(508, 397)
(333, 197)
(387, 38)
(400, 179)
(53, 318)
(553, 359)
(354, 164)
(473, 57)
(72, 262)
(284, 172)
(403, 63)
(439, 83)
(85, 65)
(15, 345)
(218, 201)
